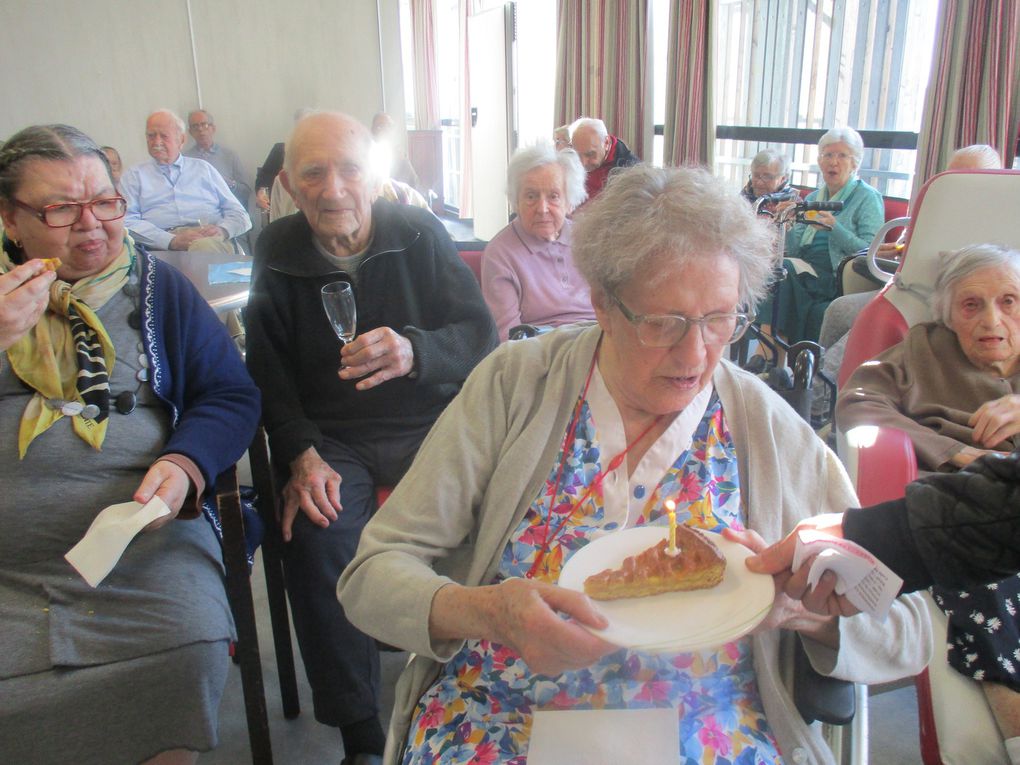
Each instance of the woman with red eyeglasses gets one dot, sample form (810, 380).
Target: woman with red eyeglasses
(117, 383)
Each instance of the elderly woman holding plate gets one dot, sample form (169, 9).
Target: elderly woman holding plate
(528, 272)
(559, 440)
(117, 383)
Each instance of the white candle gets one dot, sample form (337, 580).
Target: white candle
(671, 509)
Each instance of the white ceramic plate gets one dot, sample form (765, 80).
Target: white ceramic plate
(675, 621)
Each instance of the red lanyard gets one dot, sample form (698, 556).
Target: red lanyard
(596, 481)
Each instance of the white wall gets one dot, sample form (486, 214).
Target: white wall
(103, 65)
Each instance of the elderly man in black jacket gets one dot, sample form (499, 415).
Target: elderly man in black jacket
(343, 418)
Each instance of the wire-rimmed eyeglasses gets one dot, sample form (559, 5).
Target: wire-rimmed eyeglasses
(666, 330)
(64, 214)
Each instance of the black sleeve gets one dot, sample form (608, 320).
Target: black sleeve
(967, 524)
(883, 530)
(270, 168)
(462, 332)
(955, 530)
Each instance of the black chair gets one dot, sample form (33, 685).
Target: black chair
(246, 651)
(272, 564)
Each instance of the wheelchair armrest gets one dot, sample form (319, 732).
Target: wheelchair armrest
(818, 697)
(880, 461)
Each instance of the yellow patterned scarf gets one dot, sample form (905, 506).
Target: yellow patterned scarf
(59, 366)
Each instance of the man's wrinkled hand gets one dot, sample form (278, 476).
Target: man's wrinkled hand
(378, 355)
(185, 238)
(314, 488)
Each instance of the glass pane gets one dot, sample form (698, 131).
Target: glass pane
(808, 64)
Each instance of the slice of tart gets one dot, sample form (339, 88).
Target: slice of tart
(698, 565)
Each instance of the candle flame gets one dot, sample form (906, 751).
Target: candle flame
(670, 505)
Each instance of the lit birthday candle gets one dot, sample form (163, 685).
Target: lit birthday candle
(670, 506)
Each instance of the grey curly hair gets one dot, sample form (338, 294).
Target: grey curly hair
(530, 158)
(846, 135)
(683, 213)
(956, 265)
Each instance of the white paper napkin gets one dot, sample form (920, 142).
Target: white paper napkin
(109, 535)
(605, 737)
(867, 582)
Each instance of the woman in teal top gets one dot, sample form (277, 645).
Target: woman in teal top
(803, 297)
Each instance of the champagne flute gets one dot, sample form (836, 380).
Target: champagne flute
(338, 300)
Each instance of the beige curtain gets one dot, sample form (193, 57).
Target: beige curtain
(466, 207)
(603, 67)
(689, 129)
(426, 87)
(974, 90)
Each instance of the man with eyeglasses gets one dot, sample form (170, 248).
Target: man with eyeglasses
(176, 202)
(599, 151)
(202, 128)
(769, 175)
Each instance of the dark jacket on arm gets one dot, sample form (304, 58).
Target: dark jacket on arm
(411, 280)
(955, 530)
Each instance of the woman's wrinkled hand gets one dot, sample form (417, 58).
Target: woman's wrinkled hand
(788, 611)
(170, 483)
(777, 561)
(24, 295)
(996, 420)
(526, 617)
(826, 218)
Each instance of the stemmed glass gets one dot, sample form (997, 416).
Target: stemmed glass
(338, 300)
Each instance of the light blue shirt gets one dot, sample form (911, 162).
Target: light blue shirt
(225, 159)
(184, 193)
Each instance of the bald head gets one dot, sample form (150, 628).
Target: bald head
(327, 170)
(319, 127)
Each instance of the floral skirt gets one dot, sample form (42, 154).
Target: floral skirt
(984, 631)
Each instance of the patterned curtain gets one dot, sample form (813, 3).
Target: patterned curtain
(689, 130)
(603, 67)
(426, 86)
(466, 206)
(974, 90)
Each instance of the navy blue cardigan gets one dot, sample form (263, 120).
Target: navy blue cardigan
(196, 371)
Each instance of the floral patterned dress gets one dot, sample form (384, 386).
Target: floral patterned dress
(480, 708)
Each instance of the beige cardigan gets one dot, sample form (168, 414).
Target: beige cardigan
(453, 513)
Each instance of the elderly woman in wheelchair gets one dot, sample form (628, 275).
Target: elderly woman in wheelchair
(558, 442)
(822, 239)
(953, 386)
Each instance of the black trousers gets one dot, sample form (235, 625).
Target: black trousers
(341, 662)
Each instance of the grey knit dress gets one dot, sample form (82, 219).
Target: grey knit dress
(136, 666)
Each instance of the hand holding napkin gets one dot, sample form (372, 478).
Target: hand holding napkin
(109, 535)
